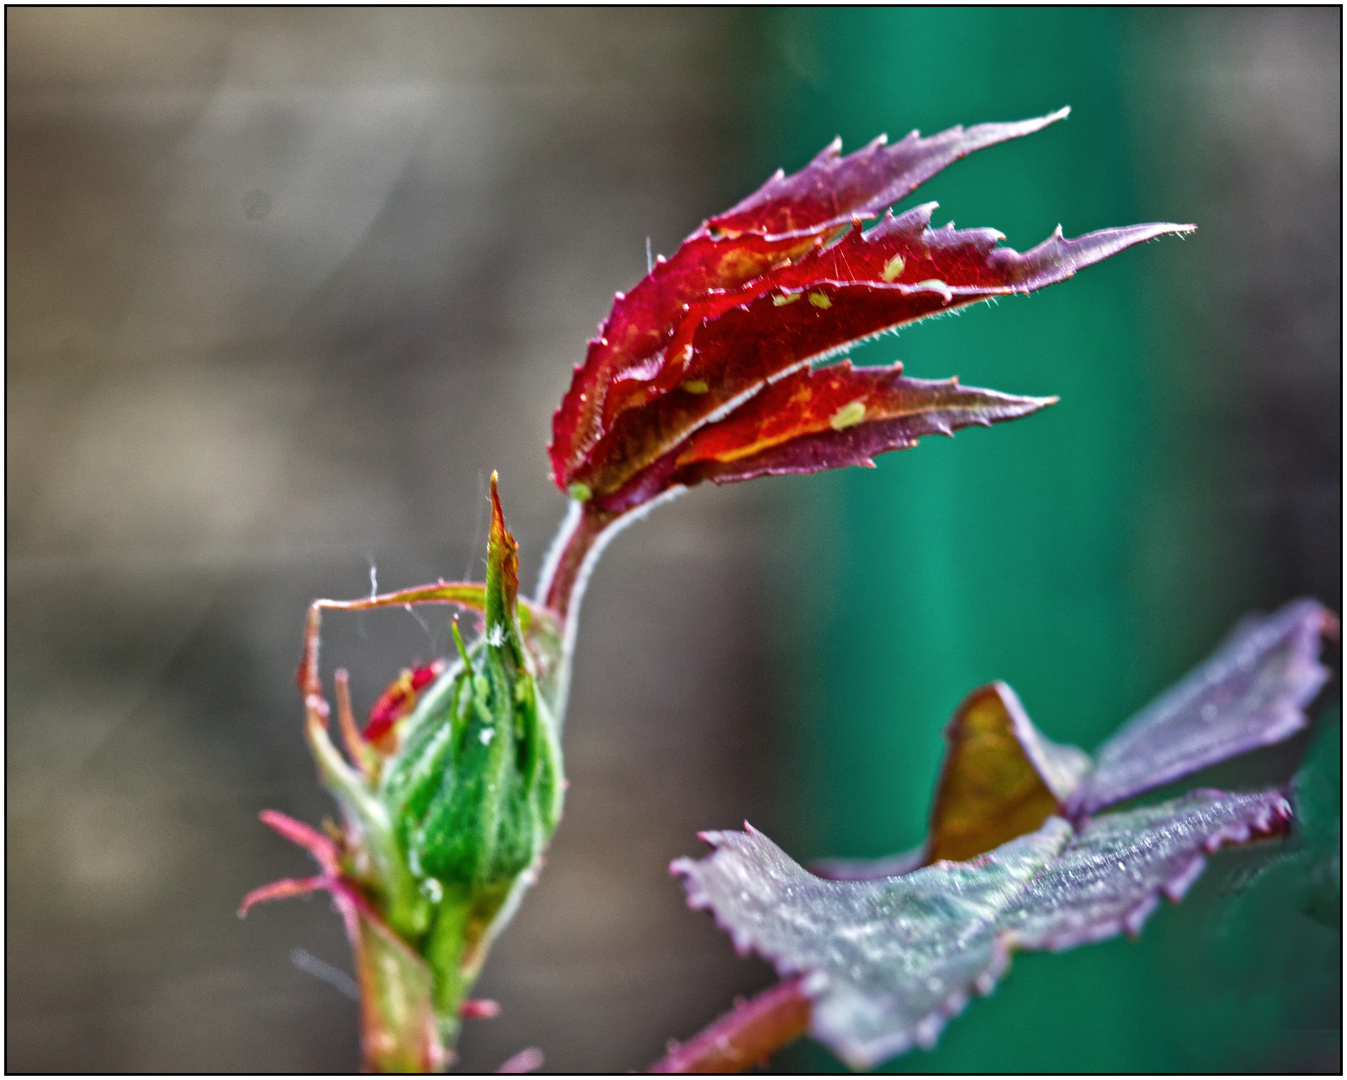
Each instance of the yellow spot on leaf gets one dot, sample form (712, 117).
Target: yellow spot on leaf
(849, 415)
(819, 300)
(782, 299)
(737, 266)
(893, 268)
(695, 386)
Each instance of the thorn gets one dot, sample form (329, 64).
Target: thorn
(479, 1009)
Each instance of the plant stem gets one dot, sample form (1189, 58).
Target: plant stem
(399, 1029)
(579, 542)
(564, 572)
(580, 539)
(745, 1037)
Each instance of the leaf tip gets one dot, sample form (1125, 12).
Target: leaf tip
(502, 562)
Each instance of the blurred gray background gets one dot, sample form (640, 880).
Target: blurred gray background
(284, 286)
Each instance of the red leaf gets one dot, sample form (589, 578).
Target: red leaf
(830, 190)
(825, 419)
(399, 699)
(739, 246)
(631, 340)
(768, 289)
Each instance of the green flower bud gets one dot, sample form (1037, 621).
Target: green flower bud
(474, 791)
(449, 798)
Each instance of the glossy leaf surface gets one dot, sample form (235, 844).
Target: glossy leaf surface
(832, 189)
(892, 948)
(890, 961)
(1001, 777)
(786, 280)
(780, 221)
(826, 419)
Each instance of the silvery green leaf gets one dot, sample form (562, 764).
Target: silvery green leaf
(1111, 875)
(890, 961)
(1252, 692)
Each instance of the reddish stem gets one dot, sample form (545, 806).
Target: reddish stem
(558, 590)
(749, 1035)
